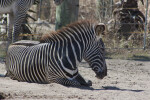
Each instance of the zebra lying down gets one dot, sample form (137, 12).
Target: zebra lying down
(56, 57)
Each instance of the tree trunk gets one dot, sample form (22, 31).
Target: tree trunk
(66, 13)
(44, 9)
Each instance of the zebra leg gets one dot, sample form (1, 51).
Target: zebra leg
(82, 81)
(9, 74)
(19, 18)
(67, 82)
(10, 21)
(54, 78)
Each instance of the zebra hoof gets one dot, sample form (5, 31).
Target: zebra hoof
(89, 83)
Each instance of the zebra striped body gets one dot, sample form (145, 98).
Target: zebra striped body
(6, 8)
(56, 58)
(17, 10)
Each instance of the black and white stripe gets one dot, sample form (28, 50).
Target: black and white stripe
(5, 3)
(56, 57)
(17, 10)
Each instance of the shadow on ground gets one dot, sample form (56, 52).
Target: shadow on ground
(2, 75)
(2, 96)
(111, 88)
(118, 89)
(139, 58)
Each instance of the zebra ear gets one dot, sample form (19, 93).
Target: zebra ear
(99, 29)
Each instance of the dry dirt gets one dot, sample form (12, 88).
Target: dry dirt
(126, 80)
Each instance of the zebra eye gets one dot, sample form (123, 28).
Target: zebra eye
(103, 50)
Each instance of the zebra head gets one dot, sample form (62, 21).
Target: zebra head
(95, 55)
(58, 2)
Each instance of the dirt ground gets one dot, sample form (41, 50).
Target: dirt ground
(126, 80)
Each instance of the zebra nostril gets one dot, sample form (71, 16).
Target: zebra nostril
(101, 75)
(96, 69)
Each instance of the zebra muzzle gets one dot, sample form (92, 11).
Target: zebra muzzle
(101, 75)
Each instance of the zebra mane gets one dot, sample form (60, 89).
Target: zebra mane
(87, 24)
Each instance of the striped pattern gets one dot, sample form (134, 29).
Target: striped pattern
(5, 3)
(17, 10)
(56, 57)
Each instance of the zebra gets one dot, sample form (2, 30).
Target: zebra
(17, 10)
(55, 58)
